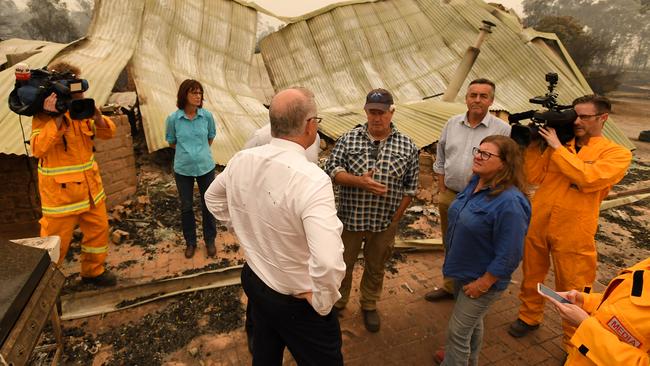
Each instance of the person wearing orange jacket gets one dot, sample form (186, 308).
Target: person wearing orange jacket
(70, 185)
(572, 181)
(613, 328)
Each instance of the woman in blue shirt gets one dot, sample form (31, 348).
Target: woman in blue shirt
(487, 225)
(190, 131)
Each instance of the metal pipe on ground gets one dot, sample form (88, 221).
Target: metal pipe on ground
(89, 303)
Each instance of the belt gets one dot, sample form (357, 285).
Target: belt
(271, 293)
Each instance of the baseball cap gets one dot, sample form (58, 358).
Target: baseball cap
(378, 99)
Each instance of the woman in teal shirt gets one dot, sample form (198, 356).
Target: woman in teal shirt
(190, 131)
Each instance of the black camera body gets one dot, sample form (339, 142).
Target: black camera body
(32, 88)
(556, 116)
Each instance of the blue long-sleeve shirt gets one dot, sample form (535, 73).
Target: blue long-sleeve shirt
(486, 234)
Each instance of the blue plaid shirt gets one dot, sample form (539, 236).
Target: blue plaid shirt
(396, 165)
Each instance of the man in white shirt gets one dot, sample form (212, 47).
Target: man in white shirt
(262, 136)
(453, 166)
(281, 207)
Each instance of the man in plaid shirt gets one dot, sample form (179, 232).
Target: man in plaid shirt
(377, 170)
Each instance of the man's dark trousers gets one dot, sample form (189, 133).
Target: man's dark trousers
(282, 320)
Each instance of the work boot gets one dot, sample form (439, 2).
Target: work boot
(439, 356)
(189, 251)
(438, 294)
(371, 320)
(519, 328)
(105, 279)
(211, 249)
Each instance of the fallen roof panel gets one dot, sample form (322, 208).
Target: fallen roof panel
(412, 47)
(212, 42)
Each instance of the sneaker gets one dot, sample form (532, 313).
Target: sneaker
(105, 279)
(439, 356)
(211, 250)
(438, 294)
(519, 328)
(189, 251)
(371, 320)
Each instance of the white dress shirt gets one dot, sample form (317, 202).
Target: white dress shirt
(282, 210)
(262, 136)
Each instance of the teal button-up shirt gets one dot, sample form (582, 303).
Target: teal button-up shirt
(193, 157)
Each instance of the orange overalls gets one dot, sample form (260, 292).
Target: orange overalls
(70, 186)
(565, 214)
(618, 331)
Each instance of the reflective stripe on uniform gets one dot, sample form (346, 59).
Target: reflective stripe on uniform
(74, 206)
(66, 208)
(67, 169)
(35, 132)
(94, 250)
(101, 195)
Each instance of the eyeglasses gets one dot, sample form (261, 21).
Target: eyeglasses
(586, 117)
(317, 119)
(196, 92)
(485, 155)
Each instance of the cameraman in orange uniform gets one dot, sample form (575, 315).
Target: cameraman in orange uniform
(572, 179)
(69, 181)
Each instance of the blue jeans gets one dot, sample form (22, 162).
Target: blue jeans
(185, 187)
(465, 330)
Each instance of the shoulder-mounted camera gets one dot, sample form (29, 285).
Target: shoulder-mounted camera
(556, 116)
(34, 86)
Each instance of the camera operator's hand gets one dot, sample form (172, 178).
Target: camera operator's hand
(49, 105)
(99, 120)
(550, 136)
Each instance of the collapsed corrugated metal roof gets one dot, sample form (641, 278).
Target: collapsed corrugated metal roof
(412, 47)
(101, 56)
(211, 41)
(166, 42)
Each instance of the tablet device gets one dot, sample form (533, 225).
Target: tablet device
(550, 293)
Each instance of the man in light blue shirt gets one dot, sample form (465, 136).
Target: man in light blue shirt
(453, 166)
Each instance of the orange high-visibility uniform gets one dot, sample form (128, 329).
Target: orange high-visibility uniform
(618, 331)
(70, 186)
(565, 217)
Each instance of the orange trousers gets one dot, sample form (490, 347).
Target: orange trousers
(571, 248)
(94, 247)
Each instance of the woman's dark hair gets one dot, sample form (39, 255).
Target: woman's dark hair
(186, 87)
(512, 173)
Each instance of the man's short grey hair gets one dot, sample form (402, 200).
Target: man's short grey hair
(290, 119)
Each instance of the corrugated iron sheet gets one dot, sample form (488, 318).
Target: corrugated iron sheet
(412, 47)
(260, 82)
(101, 56)
(212, 42)
(165, 42)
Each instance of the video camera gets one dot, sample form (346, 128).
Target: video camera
(34, 86)
(556, 116)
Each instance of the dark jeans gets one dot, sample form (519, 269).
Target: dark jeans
(185, 186)
(285, 321)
